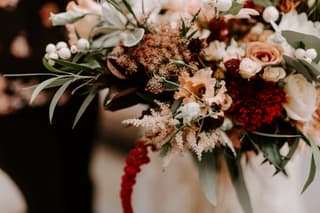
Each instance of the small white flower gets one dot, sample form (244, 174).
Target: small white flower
(233, 51)
(61, 44)
(50, 48)
(249, 68)
(224, 5)
(227, 124)
(300, 53)
(189, 112)
(52, 55)
(311, 53)
(73, 49)
(215, 51)
(270, 14)
(64, 53)
(273, 74)
(83, 44)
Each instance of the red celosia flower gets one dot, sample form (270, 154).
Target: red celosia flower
(137, 157)
(255, 102)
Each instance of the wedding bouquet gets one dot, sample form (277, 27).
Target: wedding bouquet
(222, 78)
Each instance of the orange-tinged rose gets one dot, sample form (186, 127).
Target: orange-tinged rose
(264, 53)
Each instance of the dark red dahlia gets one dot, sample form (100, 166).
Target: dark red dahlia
(255, 102)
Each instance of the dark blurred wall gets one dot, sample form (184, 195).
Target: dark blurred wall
(49, 163)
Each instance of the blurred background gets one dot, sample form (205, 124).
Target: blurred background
(51, 168)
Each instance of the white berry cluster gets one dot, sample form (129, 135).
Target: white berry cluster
(308, 55)
(62, 51)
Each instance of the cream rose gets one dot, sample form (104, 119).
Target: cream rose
(249, 68)
(273, 74)
(301, 98)
(264, 53)
(312, 128)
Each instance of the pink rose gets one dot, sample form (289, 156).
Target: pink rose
(264, 53)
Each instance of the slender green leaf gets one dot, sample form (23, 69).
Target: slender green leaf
(315, 150)
(56, 83)
(129, 8)
(51, 68)
(238, 182)
(43, 85)
(180, 63)
(29, 74)
(235, 8)
(165, 148)
(75, 66)
(311, 176)
(56, 98)
(85, 105)
(263, 3)
(207, 175)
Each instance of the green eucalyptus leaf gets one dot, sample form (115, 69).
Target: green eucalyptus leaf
(263, 3)
(85, 105)
(311, 176)
(51, 68)
(313, 68)
(43, 85)
(165, 149)
(56, 98)
(239, 183)
(299, 67)
(235, 8)
(129, 8)
(74, 66)
(29, 74)
(208, 177)
(309, 41)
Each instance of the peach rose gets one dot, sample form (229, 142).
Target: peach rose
(264, 53)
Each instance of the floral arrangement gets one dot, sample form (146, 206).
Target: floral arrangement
(222, 78)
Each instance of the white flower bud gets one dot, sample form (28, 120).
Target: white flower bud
(50, 48)
(51, 62)
(273, 74)
(249, 68)
(270, 14)
(311, 53)
(300, 53)
(64, 53)
(189, 112)
(73, 49)
(83, 44)
(52, 55)
(227, 124)
(309, 60)
(61, 44)
(224, 5)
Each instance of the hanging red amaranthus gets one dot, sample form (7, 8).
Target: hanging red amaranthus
(137, 157)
